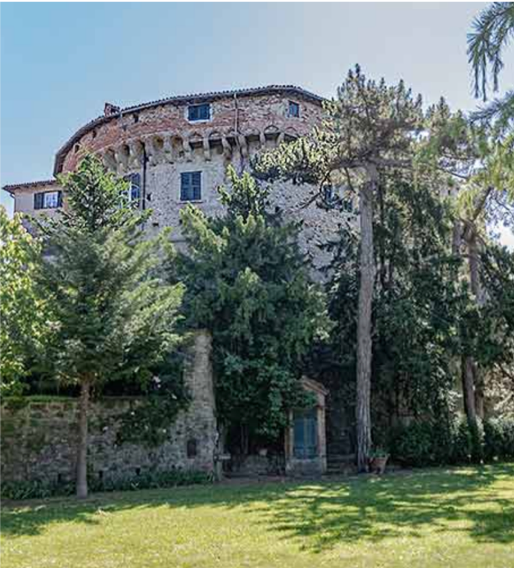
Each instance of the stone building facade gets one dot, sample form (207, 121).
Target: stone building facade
(176, 151)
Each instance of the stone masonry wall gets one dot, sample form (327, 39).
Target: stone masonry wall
(39, 438)
(237, 131)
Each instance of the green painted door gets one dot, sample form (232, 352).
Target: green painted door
(305, 434)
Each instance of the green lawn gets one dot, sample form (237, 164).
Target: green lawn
(438, 518)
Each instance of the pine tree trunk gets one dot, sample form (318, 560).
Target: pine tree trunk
(472, 383)
(468, 389)
(476, 288)
(81, 479)
(364, 345)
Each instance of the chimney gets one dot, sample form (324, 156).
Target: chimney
(110, 109)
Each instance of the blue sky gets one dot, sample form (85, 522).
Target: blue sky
(60, 62)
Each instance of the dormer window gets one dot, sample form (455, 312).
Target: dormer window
(48, 200)
(199, 112)
(294, 110)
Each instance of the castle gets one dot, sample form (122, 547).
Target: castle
(176, 151)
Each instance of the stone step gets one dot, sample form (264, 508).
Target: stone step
(340, 458)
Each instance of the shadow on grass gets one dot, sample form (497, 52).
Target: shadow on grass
(476, 501)
(409, 505)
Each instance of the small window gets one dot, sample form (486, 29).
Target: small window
(191, 186)
(134, 190)
(199, 112)
(328, 194)
(77, 148)
(48, 200)
(348, 205)
(191, 448)
(136, 118)
(294, 109)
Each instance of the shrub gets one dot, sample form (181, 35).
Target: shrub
(499, 439)
(413, 444)
(18, 490)
(424, 443)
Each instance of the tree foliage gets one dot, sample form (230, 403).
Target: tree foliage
(492, 32)
(371, 130)
(248, 283)
(23, 311)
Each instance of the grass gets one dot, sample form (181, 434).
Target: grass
(458, 518)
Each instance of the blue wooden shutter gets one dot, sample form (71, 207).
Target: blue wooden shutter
(311, 434)
(38, 200)
(196, 185)
(299, 438)
(59, 199)
(135, 189)
(185, 184)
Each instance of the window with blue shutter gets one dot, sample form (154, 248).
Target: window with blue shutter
(329, 195)
(38, 200)
(191, 186)
(199, 112)
(294, 109)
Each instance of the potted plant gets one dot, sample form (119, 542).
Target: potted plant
(378, 460)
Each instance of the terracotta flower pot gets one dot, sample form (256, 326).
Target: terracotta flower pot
(378, 464)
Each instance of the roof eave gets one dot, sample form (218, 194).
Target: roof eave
(13, 187)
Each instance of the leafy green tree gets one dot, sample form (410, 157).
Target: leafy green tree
(482, 159)
(114, 314)
(22, 310)
(248, 283)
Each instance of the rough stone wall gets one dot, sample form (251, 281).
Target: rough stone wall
(176, 145)
(39, 439)
(163, 186)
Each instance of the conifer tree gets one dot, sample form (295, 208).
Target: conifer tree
(371, 129)
(113, 312)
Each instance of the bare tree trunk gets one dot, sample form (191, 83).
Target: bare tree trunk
(81, 479)
(364, 345)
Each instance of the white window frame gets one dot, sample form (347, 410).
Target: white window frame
(200, 120)
(50, 200)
